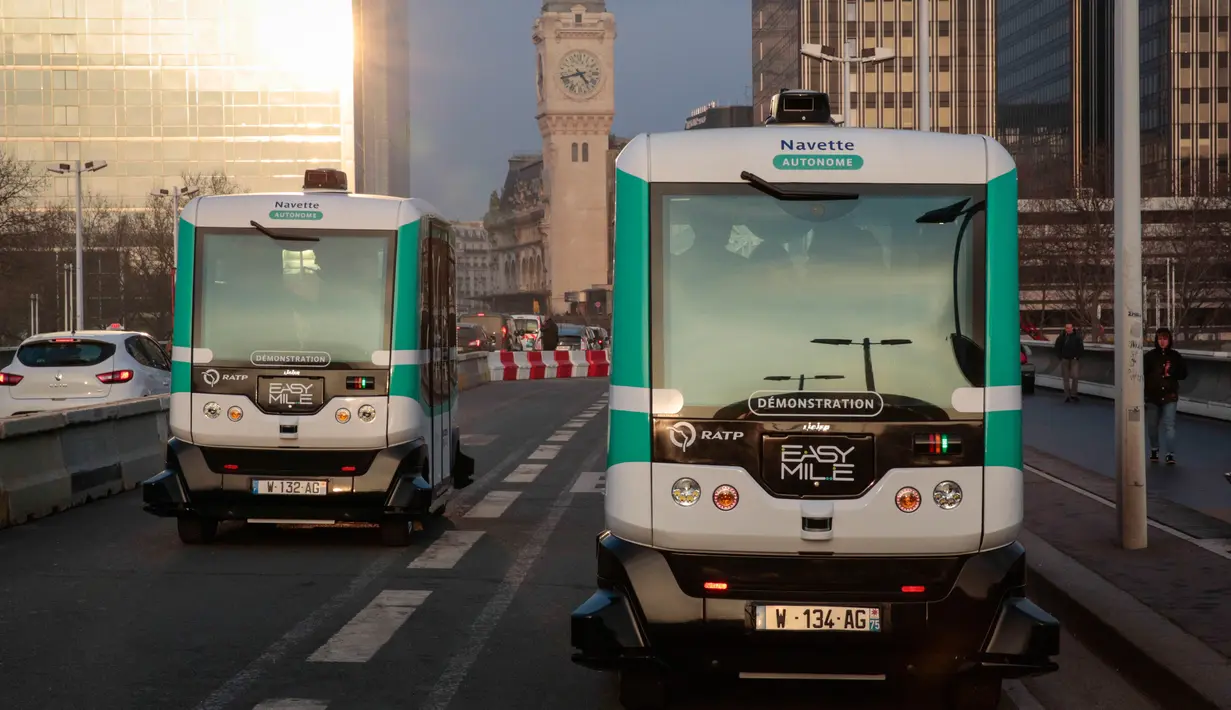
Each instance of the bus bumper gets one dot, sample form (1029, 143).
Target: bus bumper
(641, 618)
(391, 485)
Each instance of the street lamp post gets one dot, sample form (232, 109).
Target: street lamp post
(874, 55)
(175, 193)
(1130, 394)
(867, 343)
(78, 169)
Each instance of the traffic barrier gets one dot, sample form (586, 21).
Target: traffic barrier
(59, 460)
(1205, 392)
(553, 364)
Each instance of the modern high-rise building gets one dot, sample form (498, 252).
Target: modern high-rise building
(1056, 65)
(884, 94)
(239, 86)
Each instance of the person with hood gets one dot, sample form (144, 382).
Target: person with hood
(1070, 348)
(1163, 367)
(549, 336)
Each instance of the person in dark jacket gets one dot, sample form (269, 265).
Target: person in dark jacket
(1070, 348)
(1163, 367)
(550, 335)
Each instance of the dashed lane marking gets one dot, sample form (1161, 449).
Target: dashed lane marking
(493, 504)
(574, 424)
(561, 435)
(445, 552)
(371, 628)
(590, 482)
(478, 439)
(525, 473)
(545, 451)
(586, 415)
(292, 704)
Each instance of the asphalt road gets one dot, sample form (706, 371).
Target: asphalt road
(1084, 433)
(101, 607)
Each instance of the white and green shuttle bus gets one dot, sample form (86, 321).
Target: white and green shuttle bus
(313, 363)
(815, 455)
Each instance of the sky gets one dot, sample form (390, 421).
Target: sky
(472, 83)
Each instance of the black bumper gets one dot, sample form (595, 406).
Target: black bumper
(392, 484)
(974, 617)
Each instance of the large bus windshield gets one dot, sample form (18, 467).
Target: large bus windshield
(755, 294)
(329, 300)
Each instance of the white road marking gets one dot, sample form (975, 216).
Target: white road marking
(445, 552)
(1020, 696)
(525, 473)
(1216, 546)
(591, 482)
(545, 451)
(226, 695)
(586, 415)
(292, 704)
(371, 628)
(574, 424)
(561, 435)
(485, 624)
(478, 439)
(493, 504)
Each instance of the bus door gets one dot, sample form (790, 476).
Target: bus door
(439, 331)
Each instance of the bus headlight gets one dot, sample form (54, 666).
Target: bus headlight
(342, 415)
(235, 414)
(947, 495)
(213, 410)
(908, 500)
(686, 492)
(367, 412)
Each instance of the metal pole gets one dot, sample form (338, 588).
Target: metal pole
(924, 64)
(1130, 449)
(80, 282)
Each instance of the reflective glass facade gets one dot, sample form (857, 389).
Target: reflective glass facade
(254, 88)
(776, 63)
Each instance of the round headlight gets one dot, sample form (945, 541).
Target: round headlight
(726, 497)
(908, 500)
(213, 410)
(686, 492)
(367, 412)
(947, 495)
(342, 415)
(235, 414)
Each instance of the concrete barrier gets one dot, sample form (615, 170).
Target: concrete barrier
(535, 365)
(59, 460)
(1206, 392)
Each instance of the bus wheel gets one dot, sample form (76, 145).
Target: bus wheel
(194, 530)
(643, 690)
(395, 532)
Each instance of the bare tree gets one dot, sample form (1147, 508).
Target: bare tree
(1196, 237)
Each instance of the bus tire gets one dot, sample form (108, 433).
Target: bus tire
(643, 690)
(395, 532)
(194, 530)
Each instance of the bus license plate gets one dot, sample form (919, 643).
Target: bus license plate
(290, 488)
(818, 618)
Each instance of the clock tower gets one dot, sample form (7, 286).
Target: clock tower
(576, 103)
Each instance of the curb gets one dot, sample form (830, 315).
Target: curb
(1149, 650)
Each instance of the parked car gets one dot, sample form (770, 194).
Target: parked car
(56, 371)
(577, 337)
(473, 338)
(1027, 372)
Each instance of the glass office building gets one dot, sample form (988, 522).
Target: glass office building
(253, 88)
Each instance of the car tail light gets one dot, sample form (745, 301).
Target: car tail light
(913, 589)
(115, 377)
(715, 586)
(8, 379)
(476, 342)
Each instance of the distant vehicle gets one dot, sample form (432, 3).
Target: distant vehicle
(55, 371)
(473, 338)
(576, 337)
(496, 325)
(527, 332)
(1027, 371)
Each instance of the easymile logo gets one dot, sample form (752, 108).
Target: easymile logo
(683, 435)
(807, 462)
(816, 404)
(290, 394)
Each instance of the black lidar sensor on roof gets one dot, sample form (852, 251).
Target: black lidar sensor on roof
(324, 179)
(800, 106)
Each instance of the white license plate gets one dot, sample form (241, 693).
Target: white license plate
(563, 347)
(290, 488)
(818, 618)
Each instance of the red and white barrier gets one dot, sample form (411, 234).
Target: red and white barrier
(553, 364)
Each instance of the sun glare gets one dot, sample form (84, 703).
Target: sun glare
(311, 41)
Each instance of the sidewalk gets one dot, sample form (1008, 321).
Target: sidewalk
(1162, 614)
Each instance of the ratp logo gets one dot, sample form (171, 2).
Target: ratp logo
(210, 376)
(682, 435)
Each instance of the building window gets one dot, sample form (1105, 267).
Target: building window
(585, 152)
(574, 152)
(577, 18)
(64, 80)
(65, 115)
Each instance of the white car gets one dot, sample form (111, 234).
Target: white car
(54, 371)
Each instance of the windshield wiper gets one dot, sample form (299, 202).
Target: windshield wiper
(286, 237)
(791, 195)
(801, 378)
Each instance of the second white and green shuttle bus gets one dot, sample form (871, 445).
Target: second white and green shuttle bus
(313, 364)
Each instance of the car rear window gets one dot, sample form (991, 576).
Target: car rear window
(73, 353)
(467, 331)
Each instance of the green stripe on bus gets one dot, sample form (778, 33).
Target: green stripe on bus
(630, 328)
(629, 438)
(404, 379)
(1004, 429)
(181, 328)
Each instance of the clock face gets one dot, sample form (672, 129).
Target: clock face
(580, 72)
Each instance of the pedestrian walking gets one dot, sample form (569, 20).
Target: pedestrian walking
(1069, 348)
(1164, 367)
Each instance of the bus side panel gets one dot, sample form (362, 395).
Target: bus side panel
(407, 420)
(180, 416)
(628, 503)
(1003, 494)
